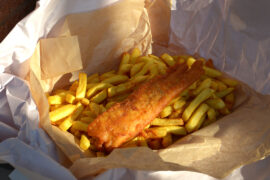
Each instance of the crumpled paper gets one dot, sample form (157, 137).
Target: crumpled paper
(197, 31)
(21, 137)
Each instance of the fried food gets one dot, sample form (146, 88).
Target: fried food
(205, 101)
(124, 120)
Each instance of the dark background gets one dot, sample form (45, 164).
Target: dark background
(11, 12)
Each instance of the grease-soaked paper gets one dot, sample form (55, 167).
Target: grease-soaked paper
(240, 138)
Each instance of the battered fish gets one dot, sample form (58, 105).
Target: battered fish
(126, 119)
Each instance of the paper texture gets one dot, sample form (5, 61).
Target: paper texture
(210, 28)
(24, 143)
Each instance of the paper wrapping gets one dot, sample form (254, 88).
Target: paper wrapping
(103, 35)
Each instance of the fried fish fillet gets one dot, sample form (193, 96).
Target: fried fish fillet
(126, 119)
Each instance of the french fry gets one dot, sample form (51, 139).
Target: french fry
(102, 109)
(120, 89)
(125, 59)
(124, 87)
(214, 85)
(176, 114)
(159, 132)
(205, 94)
(205, 84)
(224, 111)
(156, 132)
(139, 79)
(211, 114)
(141, 141)
(81, 126)
(119, 98)
(215, 103)
(167, 122)
(72, 130)
(137, 141)
(66, 124)
(90, 85)
(185, 94)
(107, 75)
(124, 69)
(99, 87)
(144, 69)
(74, 86)
(193, 86)
(190, 61)
(166, 111)
(79, 109)
(136, 68)
(95, 108)
(61, 112)
(53, 100)
(87, 119)
(203, 77)
(85, 101)
(228, 81)
(179, 104)
(168, 59)
(70, 98)
(230, 98)
(197, 118)
(81, 90)
(174, 100)
(136, 52)
(212, 72)
(84, 142)
(224, 92)
(101, 96)
(109, 104)
(89, 114)
(63, 94)
(162, 68)
(221, 85)
(116, 79)
(176, 130)
(167, 140)
(153, 56)
(145, 59)
(154, 70)
(94, 78)
(54, 107)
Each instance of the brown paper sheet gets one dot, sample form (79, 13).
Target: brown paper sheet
(237, 139)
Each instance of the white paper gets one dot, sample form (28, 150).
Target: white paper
(24, 143)
(235, 34)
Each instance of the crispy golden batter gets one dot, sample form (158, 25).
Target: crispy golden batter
(126, 119)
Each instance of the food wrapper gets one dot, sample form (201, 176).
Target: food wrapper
(91, 38)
